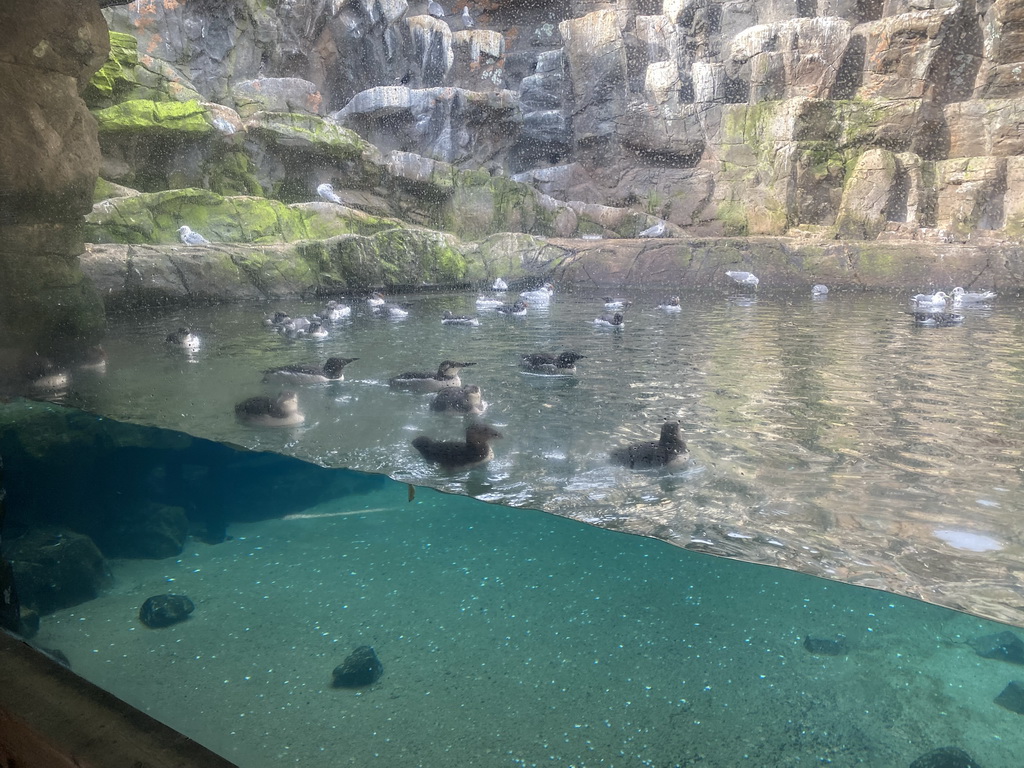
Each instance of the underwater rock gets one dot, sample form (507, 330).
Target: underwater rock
(1004, 646)
(56, 568)
(149, 530)
(945, 757)
(823, 647)
(165, 610)
(1012, 697)
(361, 667)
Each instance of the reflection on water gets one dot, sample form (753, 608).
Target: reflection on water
(831, 436)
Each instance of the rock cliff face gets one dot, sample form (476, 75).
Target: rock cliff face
(857, 119)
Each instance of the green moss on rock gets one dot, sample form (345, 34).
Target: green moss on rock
(143, 115)
(117, 76)
(309, 132)
(231, 172)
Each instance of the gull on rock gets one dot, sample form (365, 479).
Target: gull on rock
(435, 9)
(326, 191)
(658, 230)
(467, 19)
(188, 237)
(819, 290)
(743, 278)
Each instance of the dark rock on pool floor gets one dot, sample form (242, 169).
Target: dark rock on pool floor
(361, 667)
(945, 757)
(1005, 646)
(165, 610)
(826, 647)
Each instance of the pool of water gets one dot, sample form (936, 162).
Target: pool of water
(830, 436)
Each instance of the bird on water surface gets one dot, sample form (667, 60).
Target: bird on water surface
(560, 363)
(420, 381)
(264, 411)
(455, 454)
(669, 451)
(467, 399)
(332, 370)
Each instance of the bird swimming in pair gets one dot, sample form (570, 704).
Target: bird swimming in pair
(418, 381)
(184, 338)
(449, 319)
(516, 310)
(188, 237)
(616, 320)
(455, 454)
(551, 363)
(937, 299)
(960, 296)
(332, 370)
(326, 191)
(671, 305)
(375, 299)
(668, 451)
(264, 411)
(611, 302)
(467, 400)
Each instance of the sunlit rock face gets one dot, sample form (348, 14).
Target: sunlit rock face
(49, 161)
(718, 116)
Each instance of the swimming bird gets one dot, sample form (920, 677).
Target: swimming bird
(937, 299)
(488, 302)
(467, 19)
(454, 454)
(278, 319)
(392, 311)
(435, 9)
(668, 451)
(937, 319)
(447, 376)
(656, 231)
(449, 319)
(561, 363)
(517, 310)
(375, 299)
(819, 290)
(671, 305)
(188, 237)
(743, 278)
(541, 295)
(326, 191)
(263, 411)
(499, 285)
(316, 331)
(960, 296)
(613, 303)
(332, 370)
(93, 358)
(295, 327)
(615, 321)
(335, 311)
(467, 399)
(184, 338)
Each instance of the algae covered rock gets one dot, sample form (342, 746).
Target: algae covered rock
(163, 117)
(117, 75)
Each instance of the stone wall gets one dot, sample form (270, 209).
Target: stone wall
(855, 120)
(49, 161)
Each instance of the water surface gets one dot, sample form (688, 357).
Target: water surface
(829, 436)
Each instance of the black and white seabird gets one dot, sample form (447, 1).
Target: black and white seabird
(263, 411)
(668, 451)
(467, 399)
(332, 370)
(455, 454)
(560, 363)
(416, 381)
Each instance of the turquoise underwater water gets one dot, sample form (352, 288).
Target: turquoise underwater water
(508, 637)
